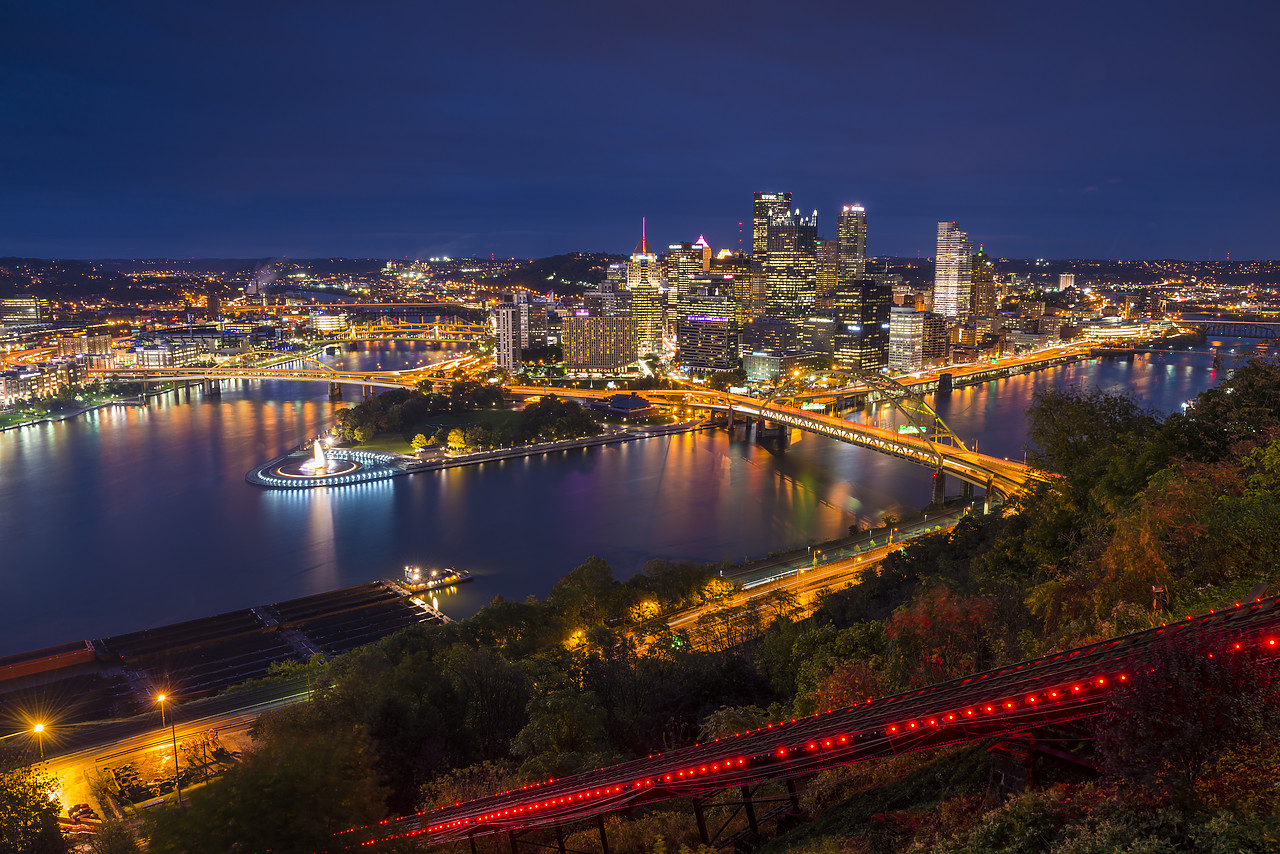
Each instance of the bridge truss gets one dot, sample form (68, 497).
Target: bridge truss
(1052, 690)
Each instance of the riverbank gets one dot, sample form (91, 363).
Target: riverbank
(382, 465)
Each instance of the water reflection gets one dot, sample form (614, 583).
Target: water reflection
(131, 517)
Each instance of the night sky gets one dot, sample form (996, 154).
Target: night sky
(412, 129)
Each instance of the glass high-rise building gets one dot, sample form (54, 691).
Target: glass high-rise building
(645, 283)
(767, 207)
(983, 302)
(851, 243)
(952, 280)
(684, 261)
(861, 338)
(791, 266)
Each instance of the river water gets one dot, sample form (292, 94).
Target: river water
(130, 517)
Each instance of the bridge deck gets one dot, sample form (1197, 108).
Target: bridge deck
(1052, 689)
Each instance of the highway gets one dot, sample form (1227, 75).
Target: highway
(806, 576)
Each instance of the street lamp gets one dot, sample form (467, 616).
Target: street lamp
(37, 730)
(173, 730)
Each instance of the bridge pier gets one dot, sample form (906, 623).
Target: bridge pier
(773, 433)
(335, 391)
(939, 495)
(212, 388)
(368, 391)
(967, 491)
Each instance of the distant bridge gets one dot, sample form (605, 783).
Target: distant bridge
(931, 443)
(1228, 328)
(1017, 700)
(444, 330)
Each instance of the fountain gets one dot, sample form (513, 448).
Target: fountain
(318, 464)
(316, 467)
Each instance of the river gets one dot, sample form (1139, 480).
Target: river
(130, 517)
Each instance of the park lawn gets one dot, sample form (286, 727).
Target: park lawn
(398, 442)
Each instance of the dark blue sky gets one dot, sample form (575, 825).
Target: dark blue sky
(392, 129)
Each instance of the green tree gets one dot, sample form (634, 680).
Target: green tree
(28, 812)
(457, 441)
(1179, 706)
(419, 442)
(114, 837)
(362, 434)
(289, 796)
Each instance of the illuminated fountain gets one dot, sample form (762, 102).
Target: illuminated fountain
(316, 467)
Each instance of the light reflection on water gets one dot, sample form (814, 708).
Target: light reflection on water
(131, 517)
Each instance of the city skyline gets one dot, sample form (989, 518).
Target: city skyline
(404, 130)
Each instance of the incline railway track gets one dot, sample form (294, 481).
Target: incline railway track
(1049, 690)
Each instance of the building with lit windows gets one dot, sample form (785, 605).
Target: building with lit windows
(738, 266)
(862, 324)
(595, 344)
(983, 300)
(707, 332)
(791, 266)
(906, 340)
(952, 280)
(827, 277)
(84, 345)
(766, 208)
(851, 243)
(23, 311)
(684, 261)
(644, 280)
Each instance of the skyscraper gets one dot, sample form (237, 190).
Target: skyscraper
(861, 338)
(851, 243)
(827, 264)
(738, 265)
(644, 281)
(952, 280)
(791, 266)
(684, 261)
(983, 302)
(768, 206)
(707, 331)
(702, 244)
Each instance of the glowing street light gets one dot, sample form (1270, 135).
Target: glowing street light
(173, 730)
(37, 730)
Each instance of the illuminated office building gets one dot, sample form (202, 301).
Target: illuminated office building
(645, 282)
(767, 208)
(861, 337)
(983, 302)
(594, 344)
(851, 243)
(952, 281)
(707, 332)
(745, 298)
(791, 266)
(827, 266)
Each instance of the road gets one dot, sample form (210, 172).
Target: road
(74, 755)
(805, 577)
